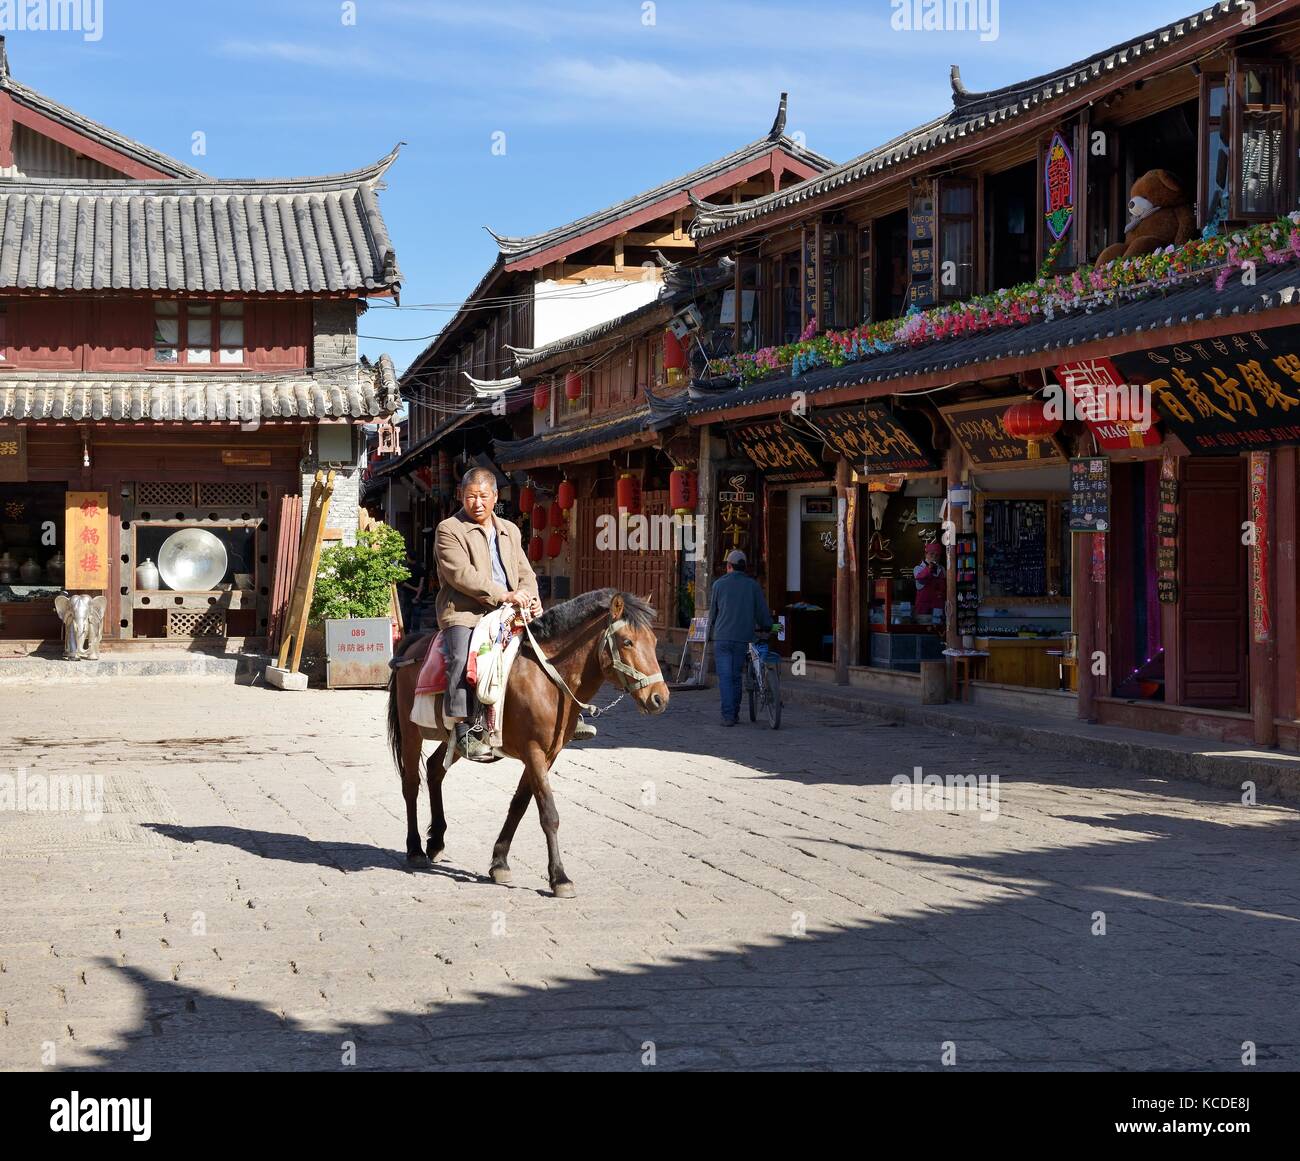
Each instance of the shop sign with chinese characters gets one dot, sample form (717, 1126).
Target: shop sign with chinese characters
(1100, 397)
(979, 429)
(1261, 617)
(783, 453)
(13, 455)
(1226, 395)
(85, 528)
(869, 434)
(737, 506)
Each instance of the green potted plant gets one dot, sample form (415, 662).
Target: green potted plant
(353, 597)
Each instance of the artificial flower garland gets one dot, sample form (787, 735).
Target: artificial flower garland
(1274, 243)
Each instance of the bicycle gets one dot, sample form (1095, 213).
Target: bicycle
(763, 682)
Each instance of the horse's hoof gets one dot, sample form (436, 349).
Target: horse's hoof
(434, 855)
(501, 876)
(563, 890)
(418, 861)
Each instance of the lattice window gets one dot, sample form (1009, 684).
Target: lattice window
(196, 622)
(159, 495)
(227, 495)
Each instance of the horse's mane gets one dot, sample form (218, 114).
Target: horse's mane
(562, 619)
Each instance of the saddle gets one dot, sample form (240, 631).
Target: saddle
(492, 650)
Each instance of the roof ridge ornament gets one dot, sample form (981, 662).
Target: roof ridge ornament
(778, 126)
(960, 93)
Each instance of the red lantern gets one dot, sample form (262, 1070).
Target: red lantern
(444, 473)
(538, 517)
(536, 549)
(1029, 421)
(628, 492)
(565, 495)
(573, 386)
(527, 498)
(555, 545)
(556, 518)
(542, 395)
(683, 491)
(674, 352)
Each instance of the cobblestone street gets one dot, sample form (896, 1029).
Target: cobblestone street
(745, 900)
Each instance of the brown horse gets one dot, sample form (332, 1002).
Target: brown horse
(605, 636)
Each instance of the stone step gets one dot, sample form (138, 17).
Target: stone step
(40, 670)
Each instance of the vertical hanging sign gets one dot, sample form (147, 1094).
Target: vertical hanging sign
(1260, 615)
(1058, 187)
(1167, 533)
(85, 528)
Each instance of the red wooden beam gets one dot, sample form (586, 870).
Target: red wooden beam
(79, 143)
(6, 130)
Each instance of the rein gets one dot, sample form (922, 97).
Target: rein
(630, 678)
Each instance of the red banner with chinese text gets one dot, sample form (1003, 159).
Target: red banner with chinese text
(1261, 619)
(85, 527)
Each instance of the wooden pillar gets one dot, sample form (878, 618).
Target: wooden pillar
(952, 479)
(1263, 632)
(843, 582)
(855, 580)
(704, 529)
(1085, 621)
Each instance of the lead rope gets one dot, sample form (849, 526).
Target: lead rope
(554, 675)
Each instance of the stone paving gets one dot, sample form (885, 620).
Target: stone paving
(746, 900)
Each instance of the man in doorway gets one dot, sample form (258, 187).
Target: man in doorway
(737, 609)
(481, 566)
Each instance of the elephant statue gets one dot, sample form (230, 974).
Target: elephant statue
(83, 625)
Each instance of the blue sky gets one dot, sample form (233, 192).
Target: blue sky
(597, 100)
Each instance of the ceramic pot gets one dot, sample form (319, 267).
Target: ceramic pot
(29, 572)
(146, 576)
(54, 568)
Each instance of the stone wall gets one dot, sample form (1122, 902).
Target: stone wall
(345, 506)
(334, 341)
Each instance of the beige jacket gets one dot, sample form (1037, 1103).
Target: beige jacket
(466, 589)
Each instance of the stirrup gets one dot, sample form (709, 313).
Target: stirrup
(583, 731)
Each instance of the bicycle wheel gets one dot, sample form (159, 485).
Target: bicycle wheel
(772, 697)
(753, 704)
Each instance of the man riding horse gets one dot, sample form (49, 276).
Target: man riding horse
(481, 566)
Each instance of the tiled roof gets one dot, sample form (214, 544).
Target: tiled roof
(199, 398)
(296, 236)
(515, 249)
(975, 113)
(656, 414)
(1051, 340)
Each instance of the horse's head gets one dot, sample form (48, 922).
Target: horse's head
(628, 660)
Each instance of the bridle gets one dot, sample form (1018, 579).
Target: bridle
(628, 678)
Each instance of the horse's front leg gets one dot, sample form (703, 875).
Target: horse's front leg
(550, 818)
(500, 869)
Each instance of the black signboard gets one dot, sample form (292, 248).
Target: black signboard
(735, 517)
(920, 237)
(1225, 395)
(873, 439)
(978, 428)
(783, 453)
(1090, 494)
(1167, 534)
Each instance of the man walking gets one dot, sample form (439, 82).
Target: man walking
(736, 609)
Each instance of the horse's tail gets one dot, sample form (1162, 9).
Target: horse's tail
(394, 721)
(408, 645)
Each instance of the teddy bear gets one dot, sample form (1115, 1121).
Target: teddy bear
(1160, 215)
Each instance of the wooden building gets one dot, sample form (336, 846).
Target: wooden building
(175, 351)
(884, 429)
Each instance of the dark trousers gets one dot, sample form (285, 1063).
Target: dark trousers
(729, 659)
(461, 702)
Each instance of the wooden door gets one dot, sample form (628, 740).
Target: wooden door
(1213, 624)
(649, 572)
